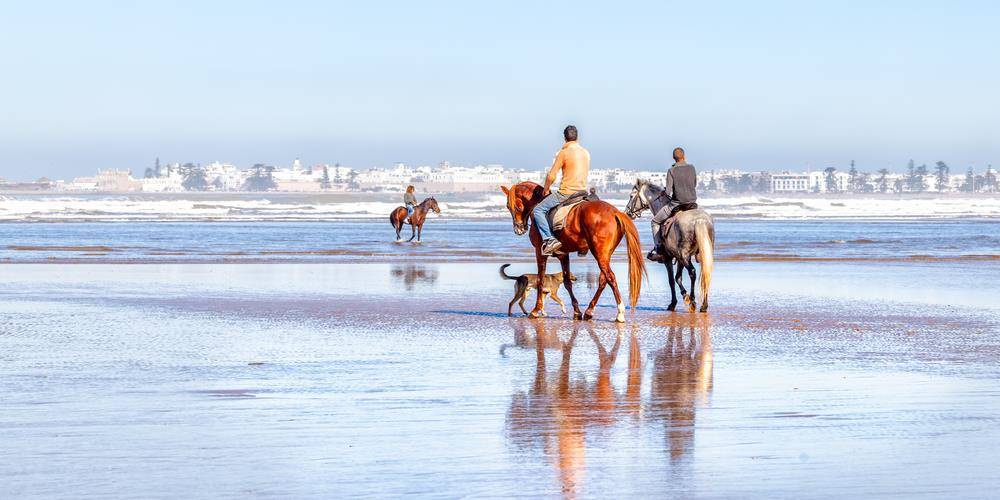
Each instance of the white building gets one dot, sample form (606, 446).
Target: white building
(117, 181)
(786, 182)
(224, 176)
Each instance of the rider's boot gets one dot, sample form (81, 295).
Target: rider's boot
(656, 255)
(550, 246)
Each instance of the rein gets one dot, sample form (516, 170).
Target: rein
(647, 203)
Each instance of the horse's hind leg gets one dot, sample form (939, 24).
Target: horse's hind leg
(689, 299)
(607, 277)
(413, 232)
(669, 263)
(678, 278)
(568, 283)
(618, 296)
(420, 230)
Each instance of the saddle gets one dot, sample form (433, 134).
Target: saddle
(557, 216)
(683, 207)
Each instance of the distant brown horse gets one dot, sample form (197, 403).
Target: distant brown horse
(593, 226)
(398, 215)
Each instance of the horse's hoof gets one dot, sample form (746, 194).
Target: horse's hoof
(673, 306)
(587, 316)
(703, 309)
(577, 315)
(620, 318)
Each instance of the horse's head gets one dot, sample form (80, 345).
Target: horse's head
(637, 200)
(521, 198)
(432, 204)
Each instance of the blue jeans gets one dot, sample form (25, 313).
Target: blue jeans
(409, 209)
(541, 210)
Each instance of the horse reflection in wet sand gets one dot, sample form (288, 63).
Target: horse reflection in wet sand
(555, 413)
(412, 274)
(682, 381)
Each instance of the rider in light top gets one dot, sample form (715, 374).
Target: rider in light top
(682, 181)
(573, 160)
(409, 201)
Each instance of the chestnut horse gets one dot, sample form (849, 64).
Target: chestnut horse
(593, 226)
(398, 215)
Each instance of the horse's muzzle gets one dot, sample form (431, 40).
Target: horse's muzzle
(520, 229)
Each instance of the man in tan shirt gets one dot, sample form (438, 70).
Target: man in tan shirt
(573, 160)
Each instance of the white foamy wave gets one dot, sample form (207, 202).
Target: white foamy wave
(486, 205)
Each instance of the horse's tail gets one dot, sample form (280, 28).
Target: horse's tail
(636, 266)
(704, 235)
(504, 275)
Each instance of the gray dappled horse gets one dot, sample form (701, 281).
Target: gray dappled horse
(691, 236)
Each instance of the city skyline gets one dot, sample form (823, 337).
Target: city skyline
(139, 170)
(450, 178)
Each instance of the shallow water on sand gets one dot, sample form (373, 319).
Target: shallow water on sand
(958, 240)
(334, 380)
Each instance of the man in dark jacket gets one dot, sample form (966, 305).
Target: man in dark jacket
(682, 181)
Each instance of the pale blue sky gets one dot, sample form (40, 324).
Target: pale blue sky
(753, 85)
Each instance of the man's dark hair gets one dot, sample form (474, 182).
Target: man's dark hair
(569, 133)
(678, 150)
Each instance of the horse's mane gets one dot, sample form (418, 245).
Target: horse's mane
(534, 187)
(651, 185)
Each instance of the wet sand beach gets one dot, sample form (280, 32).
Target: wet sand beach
(343, 380)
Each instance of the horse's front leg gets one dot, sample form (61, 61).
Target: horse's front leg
(420, 230)
(669, 263)
(413, 231)
(678, 279)
(539, 309)
(568, 283)
(602, 281)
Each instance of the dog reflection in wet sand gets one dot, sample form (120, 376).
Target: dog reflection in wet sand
(526, 282)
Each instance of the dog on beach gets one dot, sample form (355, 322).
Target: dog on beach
(525, 282)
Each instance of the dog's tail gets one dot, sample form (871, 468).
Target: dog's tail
(504, 275)
(636, 265)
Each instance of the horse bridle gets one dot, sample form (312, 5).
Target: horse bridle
(640, 193)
